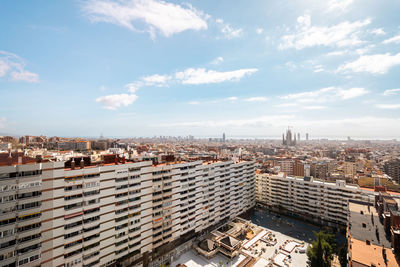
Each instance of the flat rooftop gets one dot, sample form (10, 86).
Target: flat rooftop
(365, 224)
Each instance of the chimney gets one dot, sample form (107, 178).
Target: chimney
(116, 160)
(72, 164)
(19, 159)
(82, 163)
(123, 159)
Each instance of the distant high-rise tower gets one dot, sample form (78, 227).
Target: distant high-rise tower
(306, 136)
(223, 137)
(298, 136)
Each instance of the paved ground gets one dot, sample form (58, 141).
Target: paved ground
(285, 225)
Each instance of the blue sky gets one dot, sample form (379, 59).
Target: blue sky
(247, 68)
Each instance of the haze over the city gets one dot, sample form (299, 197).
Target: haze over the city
(247, 68)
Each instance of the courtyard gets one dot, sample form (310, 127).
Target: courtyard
(271, 240)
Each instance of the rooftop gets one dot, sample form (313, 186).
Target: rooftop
(365, 225)
(371, 254)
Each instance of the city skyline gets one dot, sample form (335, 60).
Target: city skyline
(151, 68)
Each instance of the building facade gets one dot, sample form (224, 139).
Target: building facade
(129, 212)
(321, 202)
(392, 168)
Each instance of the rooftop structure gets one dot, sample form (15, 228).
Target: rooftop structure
(373, 231)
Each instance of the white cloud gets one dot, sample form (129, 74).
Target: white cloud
(4, 68)
(393, 40)
(286, 105)
(343, 126)
(13, 66)
(375, 64)
(319, 68)
(24, 75)
(113, 102)
(339, 35)
(351, 93)
(214, 101)
(339, 5)
(157, 15)
(230, 99)
(188, 76)
(391, 92)
(156, 79)
(256, 99)
(388, 106)
(217, 61)
(228, 31)
(203, 76)
(378, 31)
(314, 107)
(365, 126)
(259, 30)
(326, 94)
(251, 122)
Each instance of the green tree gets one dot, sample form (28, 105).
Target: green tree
(320, 253)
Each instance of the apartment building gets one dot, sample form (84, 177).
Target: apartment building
(322, 169)
(321, 202)
(286, 166)
(79, 145)
(349, 169)
(392, 168)
(79, 214)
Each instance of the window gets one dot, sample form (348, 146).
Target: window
(91, 193)
(28, 195)
(6, 233)
(88, 176)
(73, 197)
(7, 221)
(73, 187)
(30, 205)
(73, 243)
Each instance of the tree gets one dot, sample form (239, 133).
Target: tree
(343, 255)
(320, 253)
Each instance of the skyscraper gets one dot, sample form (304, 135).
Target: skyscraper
(306, 136)
(223, 137)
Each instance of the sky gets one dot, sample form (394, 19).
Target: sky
(247, 68)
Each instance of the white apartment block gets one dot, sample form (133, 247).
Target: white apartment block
(321, 202)
(98, 215)
(286, 166)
